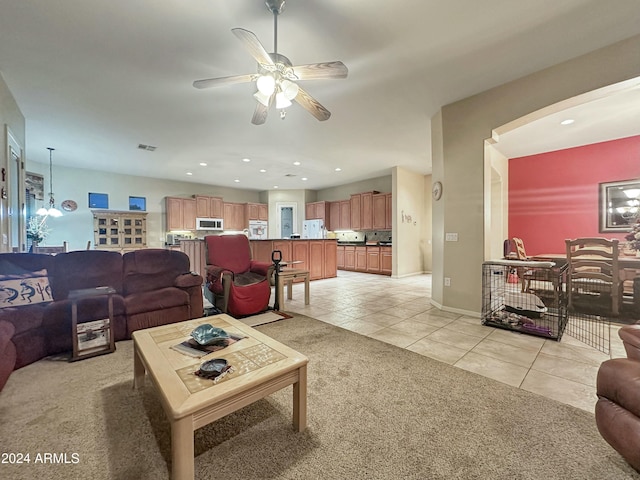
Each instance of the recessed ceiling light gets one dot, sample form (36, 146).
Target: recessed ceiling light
(237, 180)
(189, 173)
(296, 163)
(338, 169)
(275, 186)
(203, 164)
(568, 121)
(262, 170)
(247, 160)
(304, 179)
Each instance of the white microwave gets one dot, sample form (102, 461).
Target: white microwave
(209, 224)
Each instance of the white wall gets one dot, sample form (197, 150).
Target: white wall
(11, 118)
(458, 134)
(409, 223)
(75, 184)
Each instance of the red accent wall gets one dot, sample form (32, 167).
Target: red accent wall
(555, 195)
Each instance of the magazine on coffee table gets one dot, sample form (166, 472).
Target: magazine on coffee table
(194, 349)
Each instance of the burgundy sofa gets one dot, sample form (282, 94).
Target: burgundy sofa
(618, 408)
(153, 287)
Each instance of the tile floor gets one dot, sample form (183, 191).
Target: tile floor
(398, 311)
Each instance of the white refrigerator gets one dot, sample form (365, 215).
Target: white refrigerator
(313, 229)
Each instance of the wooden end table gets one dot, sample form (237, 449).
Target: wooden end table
(95, 337)
(287, 275)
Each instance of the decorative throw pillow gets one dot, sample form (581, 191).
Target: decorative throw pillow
(26, 289)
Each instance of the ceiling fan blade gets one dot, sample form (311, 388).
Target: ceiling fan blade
(312, 105)
(253, 46)
(261, 111)
(315, 71)
(221, 81)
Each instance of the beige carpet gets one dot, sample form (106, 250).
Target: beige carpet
(375, 412)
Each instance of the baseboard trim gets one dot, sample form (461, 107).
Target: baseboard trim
(460, 311)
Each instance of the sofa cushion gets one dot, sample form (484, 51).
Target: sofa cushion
(156, 300)
(24, 289)
(151, 269)
(24, 318)
(85, 269)
(18, 263)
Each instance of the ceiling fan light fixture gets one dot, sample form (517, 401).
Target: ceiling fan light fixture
(289, 89)
(282, 101)
(262, 98)
(266, 84)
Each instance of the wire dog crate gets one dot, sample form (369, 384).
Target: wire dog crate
(525, 296)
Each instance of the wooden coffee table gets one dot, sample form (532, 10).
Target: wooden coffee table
(261, 366)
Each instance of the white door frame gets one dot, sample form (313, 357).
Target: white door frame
(279, 207)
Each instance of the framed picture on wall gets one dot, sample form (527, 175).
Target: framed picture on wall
(138, 203)
(98, 200)
(619, 205)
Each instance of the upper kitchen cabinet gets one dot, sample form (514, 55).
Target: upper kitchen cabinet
(181, 213)
(334, 216)
(382, 211)
(345, 215)
(356, 211)
(257, 211)
(318, 211)
(366, 211)
(209, 207)
(234, 216)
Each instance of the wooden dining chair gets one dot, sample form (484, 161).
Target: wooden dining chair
(52, 249)
(593, 276)
(540, 281)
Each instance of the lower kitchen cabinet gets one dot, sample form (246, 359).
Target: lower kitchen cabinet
(349, 258)
(340, 257)
(385, 260)
(372, 259)
(319, 257)
(361, 259)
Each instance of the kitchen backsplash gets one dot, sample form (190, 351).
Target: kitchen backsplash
(365, 236)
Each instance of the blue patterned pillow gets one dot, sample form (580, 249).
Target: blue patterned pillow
(25, 289)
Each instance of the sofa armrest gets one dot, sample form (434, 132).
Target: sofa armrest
(263, 268)
(630, 336)
(187, 280)
(619, 381)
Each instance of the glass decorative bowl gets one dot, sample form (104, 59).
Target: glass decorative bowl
(207, 334)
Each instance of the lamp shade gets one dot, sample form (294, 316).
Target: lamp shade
(54, 212)
(282, 101)
(289, 89)
(42, 212)
(266, 84)
(262, 98)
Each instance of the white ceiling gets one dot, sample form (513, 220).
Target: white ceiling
(96, 78)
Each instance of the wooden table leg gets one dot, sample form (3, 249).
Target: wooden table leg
(289, 289)
(306, 289)
(138, 369)
(280, 288)
(300, 400)
(182, 449)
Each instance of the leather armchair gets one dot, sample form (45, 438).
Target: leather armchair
(618, 408)
(241, 286)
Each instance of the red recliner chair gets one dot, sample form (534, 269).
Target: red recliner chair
(240, 286)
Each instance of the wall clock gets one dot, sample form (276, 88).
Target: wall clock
(437, 190)
(69, 205)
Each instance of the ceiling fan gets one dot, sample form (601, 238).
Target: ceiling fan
(276, 77)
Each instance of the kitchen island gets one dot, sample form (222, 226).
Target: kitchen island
(318, 256)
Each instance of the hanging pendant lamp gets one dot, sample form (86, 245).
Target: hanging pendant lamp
(52, 211)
